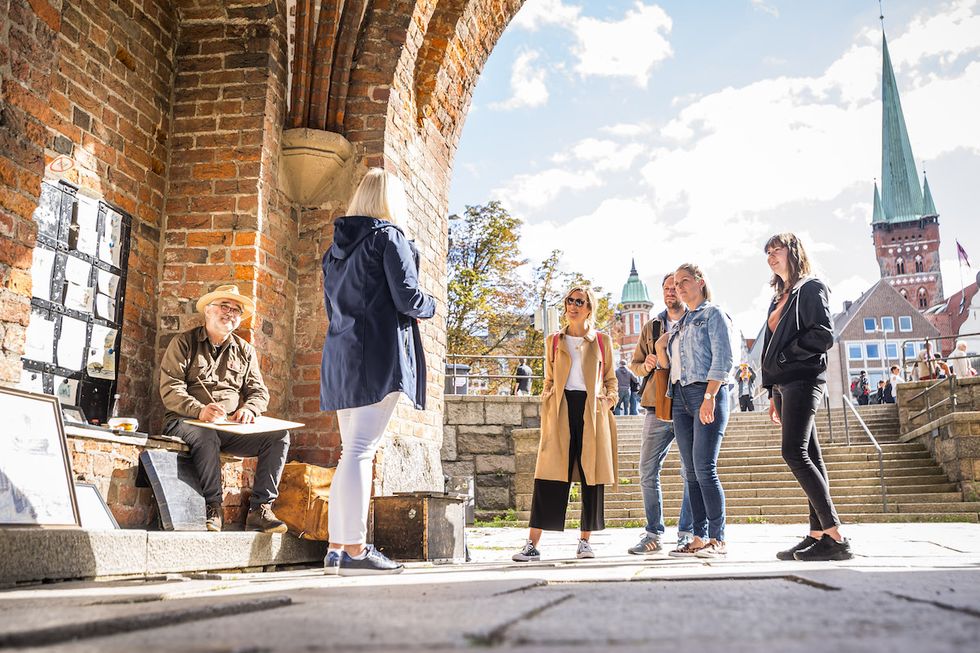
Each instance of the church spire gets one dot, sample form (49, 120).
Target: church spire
(900, 190)
(878, 216)
(928, 206)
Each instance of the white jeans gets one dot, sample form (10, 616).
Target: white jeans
(361, 430)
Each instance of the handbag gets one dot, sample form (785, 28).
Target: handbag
(663, 405)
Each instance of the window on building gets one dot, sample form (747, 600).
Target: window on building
(910, 350)
(923, 298)
(873, 350)
(900, 266)
(905, 323)
(626, 324)
(919, 267)
(888, 324)
(870, 325)
(637, 323)
(891, 350)
(904, 293)
(854, 352)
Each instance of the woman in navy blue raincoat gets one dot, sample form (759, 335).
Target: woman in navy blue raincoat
(372, 354)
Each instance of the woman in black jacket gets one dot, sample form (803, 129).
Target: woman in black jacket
(798, 335)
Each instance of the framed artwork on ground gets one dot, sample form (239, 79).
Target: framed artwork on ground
(92, 509)
(36, 487)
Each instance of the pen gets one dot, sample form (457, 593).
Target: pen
(205, 388)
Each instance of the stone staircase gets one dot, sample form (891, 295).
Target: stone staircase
(760, 488)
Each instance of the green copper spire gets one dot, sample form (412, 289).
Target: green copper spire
(900, 191)
(635, 291)
(878, 215)
(928, 206)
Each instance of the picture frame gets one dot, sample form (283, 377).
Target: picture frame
(36, 484)
(92, 508)
(73, 414)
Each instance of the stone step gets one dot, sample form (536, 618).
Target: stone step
(907, 492)
(847, 518)
(672, 504)
(799, 509)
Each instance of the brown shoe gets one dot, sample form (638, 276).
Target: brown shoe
(713, 549)
(263, 519)
(689, 550)
(214, 517)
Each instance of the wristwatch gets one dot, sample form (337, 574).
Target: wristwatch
(708, 395)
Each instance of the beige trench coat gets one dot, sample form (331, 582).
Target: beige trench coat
(600, 460)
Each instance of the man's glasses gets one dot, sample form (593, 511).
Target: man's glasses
(228, 309)
(577, 302)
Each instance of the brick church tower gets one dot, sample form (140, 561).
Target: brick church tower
(634, 312)
(905, 224)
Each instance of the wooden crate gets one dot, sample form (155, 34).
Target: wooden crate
(425, 526)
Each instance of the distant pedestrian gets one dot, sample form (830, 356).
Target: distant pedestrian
(746, 387)
(888, 392)
(624, 377)
(878, 396)
(578, 432)
(799, 332)
(372, 354)
(925, 365)
(864, 389)
(959, 363)
(942, 369)
(699, 352)
(634, 394)
(522, 377)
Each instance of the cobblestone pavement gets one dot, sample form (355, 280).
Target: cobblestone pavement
(912, 587)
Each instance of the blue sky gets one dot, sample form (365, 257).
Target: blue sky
(674, 131)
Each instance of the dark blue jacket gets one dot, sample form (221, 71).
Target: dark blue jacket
(372, 296)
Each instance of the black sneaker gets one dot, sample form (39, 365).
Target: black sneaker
(213, 516)
(373, 563)
(527, 554)
(805, 543)
(263, 519)
(826, 549)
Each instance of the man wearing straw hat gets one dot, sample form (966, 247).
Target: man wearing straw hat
(209, 374)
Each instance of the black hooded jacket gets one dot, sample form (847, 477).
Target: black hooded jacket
(797, 349)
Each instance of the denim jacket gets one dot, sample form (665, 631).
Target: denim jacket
(706, 345)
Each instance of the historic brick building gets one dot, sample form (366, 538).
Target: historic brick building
(634, 311)
(181, 113)
(905, 223)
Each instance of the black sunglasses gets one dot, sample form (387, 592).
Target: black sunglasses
(578, 302)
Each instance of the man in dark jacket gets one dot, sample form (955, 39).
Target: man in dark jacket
(623, 380)
(209, 374)
(746, 385)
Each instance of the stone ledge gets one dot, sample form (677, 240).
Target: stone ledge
(503, 399)
(946, 420)
(33, 555)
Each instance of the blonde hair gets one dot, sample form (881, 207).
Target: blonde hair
(799, 262)
(590, 299)
(380, 195)
(698, 275)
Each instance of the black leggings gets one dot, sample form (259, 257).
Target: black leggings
(549, 503)
(797, 403)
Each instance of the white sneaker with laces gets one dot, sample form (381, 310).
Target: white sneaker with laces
(584, 550)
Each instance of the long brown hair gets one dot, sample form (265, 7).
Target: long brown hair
(799, 262)
(698, 275)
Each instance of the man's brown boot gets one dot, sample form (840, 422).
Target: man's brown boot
(213, 515)
(263, 519)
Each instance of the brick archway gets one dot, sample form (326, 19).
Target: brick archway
(174, 110)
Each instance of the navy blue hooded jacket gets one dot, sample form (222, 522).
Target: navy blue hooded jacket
(372, 296)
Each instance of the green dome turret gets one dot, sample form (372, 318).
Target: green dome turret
(635, 291)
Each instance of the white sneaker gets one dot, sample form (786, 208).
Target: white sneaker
(528, 554)
(584, 550)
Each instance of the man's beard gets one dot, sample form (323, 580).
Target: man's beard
(675, 306)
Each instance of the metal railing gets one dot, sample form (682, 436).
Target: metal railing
(907, 363)
(950, 398)
(453, 361)
(881, 456)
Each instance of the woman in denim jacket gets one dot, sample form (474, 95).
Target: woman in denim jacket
(699, 348)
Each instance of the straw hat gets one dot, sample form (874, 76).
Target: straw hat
(229, 292)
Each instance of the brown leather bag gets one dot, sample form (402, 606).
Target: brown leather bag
(664, 405)
(303, 496)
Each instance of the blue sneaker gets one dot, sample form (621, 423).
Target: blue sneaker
(373, 563)
(331, 563)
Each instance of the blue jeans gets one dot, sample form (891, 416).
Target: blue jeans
(657, 438)
(622, 406)
(634, 402)
(699, 445)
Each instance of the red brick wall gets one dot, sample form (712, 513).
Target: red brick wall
(28, 50)
(908, 240)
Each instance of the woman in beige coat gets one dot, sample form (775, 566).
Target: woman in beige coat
(578, 432)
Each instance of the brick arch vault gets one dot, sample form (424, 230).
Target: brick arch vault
(177, 111)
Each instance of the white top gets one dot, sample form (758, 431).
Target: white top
(675, 360)
(895, 379)
(576, 378)
(960, 363)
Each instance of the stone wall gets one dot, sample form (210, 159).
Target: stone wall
(478, 441)
(952, 437)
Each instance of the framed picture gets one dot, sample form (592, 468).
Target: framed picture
(93, 510)
(36, 487)
(73, 414)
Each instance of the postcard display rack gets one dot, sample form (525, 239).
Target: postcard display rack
(79, 276)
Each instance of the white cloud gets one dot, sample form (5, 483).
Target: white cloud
(630, 47)
(527, 84)
(603, 155)
(533, 191)
(627, 130)
(765, 7)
